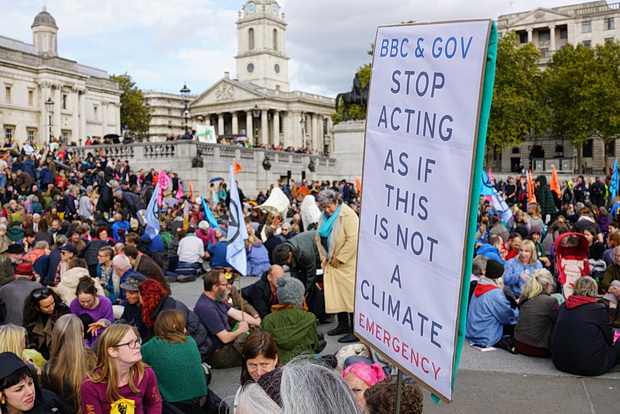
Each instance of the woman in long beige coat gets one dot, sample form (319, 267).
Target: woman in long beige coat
(337, 242)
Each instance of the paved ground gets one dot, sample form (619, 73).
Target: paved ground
(495, 381)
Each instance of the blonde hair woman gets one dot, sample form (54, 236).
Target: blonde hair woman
(69, 363)
(120, 381)
(12, 339)
(520, 268)
(538, 311)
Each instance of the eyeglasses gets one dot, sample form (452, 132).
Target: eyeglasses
(133, 344)
(41, 293)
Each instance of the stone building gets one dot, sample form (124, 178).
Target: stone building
(550, 29)
(81, 100)
(166, 111)
(258, 103)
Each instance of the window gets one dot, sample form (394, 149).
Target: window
(586, 27)
(95, 113)
(544, 52)
(30, 98)
(8, 132)
(64, 101)
(275, 39)
(251, 38)
(31, 134)
(515, 150)
(611, 149)
(587, 148)
(522, 37)
(609, 39)
(7, 94)
(544, 35)
(587, 43)
(563, 32)
(608, 23)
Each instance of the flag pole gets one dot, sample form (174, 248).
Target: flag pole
(399, 391)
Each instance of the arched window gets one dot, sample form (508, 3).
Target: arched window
(275, 39)
(251, 38)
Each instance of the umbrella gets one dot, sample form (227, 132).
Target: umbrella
(111, 136)
(242, 139)
(212, 180)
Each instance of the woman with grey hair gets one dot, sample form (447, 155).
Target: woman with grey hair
(582, 340)
(336, 239)
(538, 311)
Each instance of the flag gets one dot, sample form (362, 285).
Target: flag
(501, 206)
(237, 234)
(531, 197)
(237, 168)
(164, 182)
(191, 192)
(185, 215)
(152, 215)
(209, 214)
(358, 184)
(613, 186)
(555, 183)
(486, 188)
(490, 173)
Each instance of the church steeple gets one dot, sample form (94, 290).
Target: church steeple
(261, 39)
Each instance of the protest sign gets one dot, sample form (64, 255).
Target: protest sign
(422, 130)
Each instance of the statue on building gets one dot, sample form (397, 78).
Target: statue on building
(357, 96)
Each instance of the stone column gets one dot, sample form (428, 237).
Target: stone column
(264, 127)
(57, 117)
(249, 126)
(75, 110)
(287, 128)
(104, 121)
(220, 124)
(276, 128)
(552, 38)
(297, 132)
(529, 35)
(235, 123)
(314, 138)
(82, 113)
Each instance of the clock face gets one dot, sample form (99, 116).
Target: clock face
(274, 8)
(250, 67)
(251, 8)
(277, 68)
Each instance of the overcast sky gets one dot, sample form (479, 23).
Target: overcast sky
(164, 43)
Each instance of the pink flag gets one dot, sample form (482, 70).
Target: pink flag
(164, 182)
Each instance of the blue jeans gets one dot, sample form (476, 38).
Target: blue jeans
(3, 180)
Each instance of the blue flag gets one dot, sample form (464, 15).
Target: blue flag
(613, 187)
(209, 214)
(237, 234)
(152, 215)
(486, 187)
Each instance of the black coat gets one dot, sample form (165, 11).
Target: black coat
(581, 343)
(258, 294)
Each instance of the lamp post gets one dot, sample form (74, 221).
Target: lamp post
(185, 94)
(49, 106)
(256, 113)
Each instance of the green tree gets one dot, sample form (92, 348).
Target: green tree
(134, 114)
(517, 96)
(568, 79)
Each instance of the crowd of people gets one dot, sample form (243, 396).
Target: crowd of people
(88, 322)
(546, 278)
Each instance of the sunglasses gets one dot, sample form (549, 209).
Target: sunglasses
(41, 293)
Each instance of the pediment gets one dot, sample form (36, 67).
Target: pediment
(224, 91)
(538, 16)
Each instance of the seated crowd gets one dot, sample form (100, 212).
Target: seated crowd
(546, 282)
(88, 322)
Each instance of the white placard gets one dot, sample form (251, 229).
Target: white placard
(421, 130)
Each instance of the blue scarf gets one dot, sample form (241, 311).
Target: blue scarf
(327, 224)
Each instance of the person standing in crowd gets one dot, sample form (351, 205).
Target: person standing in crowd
(120, 378)
(337, 243)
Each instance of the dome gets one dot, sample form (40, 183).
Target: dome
(44, 19)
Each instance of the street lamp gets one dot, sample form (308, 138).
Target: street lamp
(185, 95)
(49, 106)
(256, 113)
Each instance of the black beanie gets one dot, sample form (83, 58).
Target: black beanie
(9, 363)
(495, 269)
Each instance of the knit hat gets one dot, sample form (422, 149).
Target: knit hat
(132, 282)
(495, 269)
(536, 229)
(9, 363)
(23, 269)
(291, 291)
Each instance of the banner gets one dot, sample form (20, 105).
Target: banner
(206, 133)
(421, 181)
(152, 215)
(237, 234)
